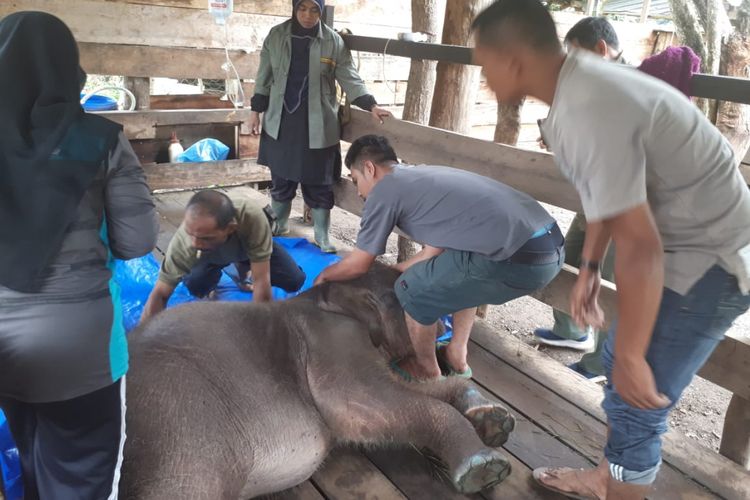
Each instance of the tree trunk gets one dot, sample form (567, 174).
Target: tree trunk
(427, 17)
(508, 124)
(731, 118)
(700, 23)
(457, 84)
(141, 89)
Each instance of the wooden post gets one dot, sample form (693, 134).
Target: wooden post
(645, 10)
(592, 6)
(328, 15)
(427, 17)
(506, 132)
(457, 85)
(141, 89)
(735, 439)
(732, 119)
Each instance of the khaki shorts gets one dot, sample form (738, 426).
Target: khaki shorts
(456, 280)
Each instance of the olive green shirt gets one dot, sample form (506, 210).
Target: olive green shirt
(253, 231)
(330, 62)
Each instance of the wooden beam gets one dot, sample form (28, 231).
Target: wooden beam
(708, 86)
(125, 23)
(645, 10)
(162, 176)
(533, 172)
(735, 439)
(165, 62)
(142, 124)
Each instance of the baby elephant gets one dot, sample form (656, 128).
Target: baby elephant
(236, 400)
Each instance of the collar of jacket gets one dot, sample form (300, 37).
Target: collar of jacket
(287, 28)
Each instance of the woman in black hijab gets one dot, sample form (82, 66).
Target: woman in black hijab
(301, 62)
(72, 195)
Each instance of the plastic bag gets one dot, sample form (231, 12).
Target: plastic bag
(204, 150)
(10, 463)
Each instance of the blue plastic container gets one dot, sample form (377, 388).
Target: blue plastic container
(99, 103)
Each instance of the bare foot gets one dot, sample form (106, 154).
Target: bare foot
(589, 484)
(417, 371)
(455, 355)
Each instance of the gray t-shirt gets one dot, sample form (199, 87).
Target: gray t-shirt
(451, 209)
(624, 138)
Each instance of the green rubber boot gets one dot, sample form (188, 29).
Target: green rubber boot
(282, 211)
(321, 224)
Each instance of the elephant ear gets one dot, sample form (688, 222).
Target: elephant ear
(378, 313)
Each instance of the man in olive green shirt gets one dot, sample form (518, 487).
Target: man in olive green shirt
(215, 233)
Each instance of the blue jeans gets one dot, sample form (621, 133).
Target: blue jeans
(688, 329)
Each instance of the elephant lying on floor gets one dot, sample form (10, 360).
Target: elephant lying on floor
(235, 400)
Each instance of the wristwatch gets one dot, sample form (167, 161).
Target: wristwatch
(591, 265)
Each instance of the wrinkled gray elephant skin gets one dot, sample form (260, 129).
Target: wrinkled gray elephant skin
(235, 400)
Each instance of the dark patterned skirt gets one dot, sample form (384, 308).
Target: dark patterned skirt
(290, 156)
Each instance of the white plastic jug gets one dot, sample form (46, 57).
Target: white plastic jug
(221, 10)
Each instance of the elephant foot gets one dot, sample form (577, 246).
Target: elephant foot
(481, 471)
(493, 423)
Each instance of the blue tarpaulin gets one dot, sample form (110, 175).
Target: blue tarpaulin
(138, 276)
(10, 465)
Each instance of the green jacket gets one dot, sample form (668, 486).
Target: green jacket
(330, 62)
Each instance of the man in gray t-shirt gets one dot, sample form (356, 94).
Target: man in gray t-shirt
(656, 178)
(485, 243)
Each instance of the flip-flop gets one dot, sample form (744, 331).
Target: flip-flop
(537, 475)
(448, 370)
(408, 376)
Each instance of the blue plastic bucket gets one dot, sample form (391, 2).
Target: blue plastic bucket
(99, 103)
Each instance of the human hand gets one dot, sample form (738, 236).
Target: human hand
(634, 382)
(254, 123)
(542, 145)
(584, 300)
(379, 114)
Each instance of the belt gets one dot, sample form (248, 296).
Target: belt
(543, 247)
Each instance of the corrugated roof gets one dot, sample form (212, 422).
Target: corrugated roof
(659, 8)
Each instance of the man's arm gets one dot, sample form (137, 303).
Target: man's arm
(261, 272)
(354, 265)
(157, 301)
(639, 275)
(426, 253)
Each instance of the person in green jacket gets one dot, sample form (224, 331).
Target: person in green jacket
(295, 89)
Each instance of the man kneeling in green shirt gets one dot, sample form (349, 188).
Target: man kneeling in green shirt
(215, 233)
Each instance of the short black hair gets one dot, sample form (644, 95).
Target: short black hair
(375, 148)
(588, 31)
(214, 204)
(527, 21)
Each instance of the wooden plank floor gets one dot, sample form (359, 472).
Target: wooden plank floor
(559, 423)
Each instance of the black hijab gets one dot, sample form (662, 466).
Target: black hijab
(50, 151)
(297, 84)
